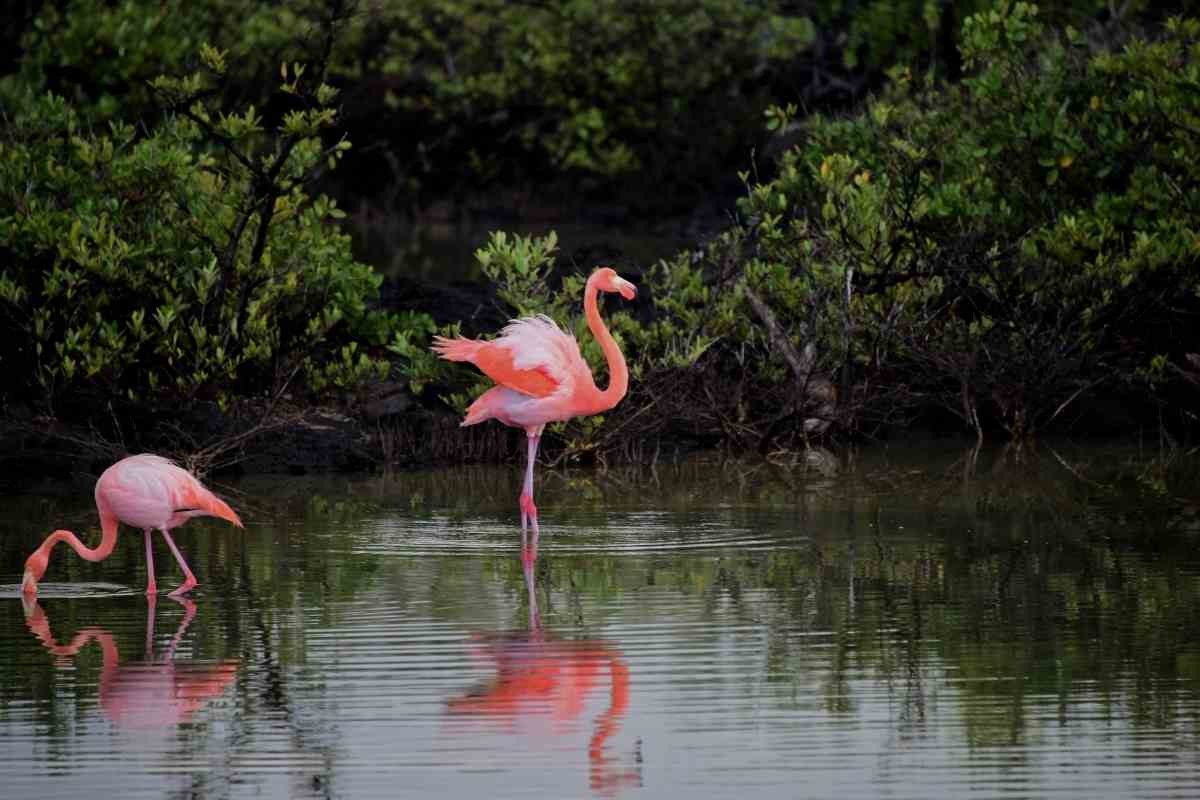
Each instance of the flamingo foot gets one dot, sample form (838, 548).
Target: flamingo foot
(184, 587)
(529, 510)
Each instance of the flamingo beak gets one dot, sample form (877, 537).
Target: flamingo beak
(28, 584)
(627, 289)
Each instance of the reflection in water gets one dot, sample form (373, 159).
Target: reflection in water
(152, 693)
(540, 676)
(904, 629)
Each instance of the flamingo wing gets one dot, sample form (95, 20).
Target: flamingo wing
(499, 364)
(532, 355)
(133, 490)
(147, 490)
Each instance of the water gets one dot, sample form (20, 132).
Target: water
(917, 625)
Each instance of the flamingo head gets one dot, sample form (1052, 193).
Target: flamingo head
(35, 568)
(607, 280)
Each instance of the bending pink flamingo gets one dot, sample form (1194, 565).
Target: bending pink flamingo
(541, 376)
(142, 694)
(147, 492)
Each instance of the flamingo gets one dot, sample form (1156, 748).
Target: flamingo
(539, 677)
(145, 491)
(142, 694)
(541, 377)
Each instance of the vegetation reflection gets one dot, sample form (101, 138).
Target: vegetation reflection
(1009, 597)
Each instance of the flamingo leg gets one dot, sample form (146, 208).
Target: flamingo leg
(528, 509)
(189, 579)
(151, 587)
(189, 613)
(150, 613)
(528, 562)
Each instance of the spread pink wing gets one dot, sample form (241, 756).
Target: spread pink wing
(497, 363)
(532, 355)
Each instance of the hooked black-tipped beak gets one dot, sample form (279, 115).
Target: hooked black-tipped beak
(627, 289)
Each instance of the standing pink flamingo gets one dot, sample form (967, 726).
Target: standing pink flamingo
(541, 376)
(145, 491)
(540, 677)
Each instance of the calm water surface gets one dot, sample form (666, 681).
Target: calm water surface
(918, 624)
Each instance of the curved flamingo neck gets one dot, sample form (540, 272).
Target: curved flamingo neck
(39, 626)
(605, 777)
(108, 540)
(607, 724)
(618, 372)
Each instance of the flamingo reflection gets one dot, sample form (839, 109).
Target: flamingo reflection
(152, 693)
(538, 675)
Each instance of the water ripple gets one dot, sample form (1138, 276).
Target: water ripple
(620, 534)
(70, 591)
(356, 649)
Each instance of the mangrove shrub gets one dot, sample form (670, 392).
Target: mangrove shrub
(182, 259)
(1012, 248)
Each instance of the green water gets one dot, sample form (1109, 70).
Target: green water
(919, 623)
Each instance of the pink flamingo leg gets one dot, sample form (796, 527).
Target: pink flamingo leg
(189, 613)
(152, 602)
(528, 509)
(528, 561)
(189, 579)
(151, 586)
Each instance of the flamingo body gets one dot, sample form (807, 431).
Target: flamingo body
(146, 491)
(531, 355)
(149, 491)
(541, 375)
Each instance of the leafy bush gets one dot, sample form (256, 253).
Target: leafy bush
(645, 101)
(652, 91)
(183, 259)
(454, 93)
(1000, 241)
(102, 55)
(1002, 248)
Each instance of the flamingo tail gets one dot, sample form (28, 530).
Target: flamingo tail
(483, 408)
(455, 349)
